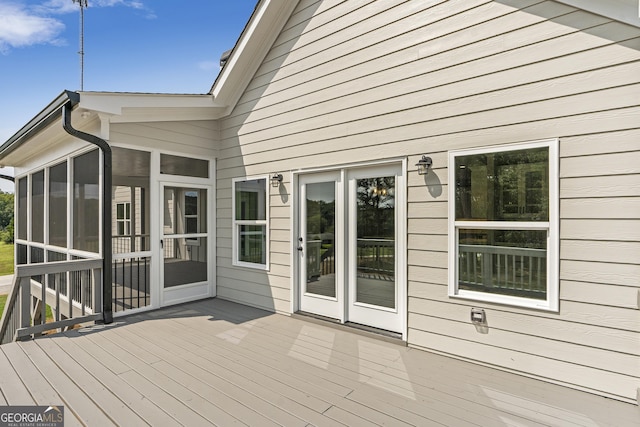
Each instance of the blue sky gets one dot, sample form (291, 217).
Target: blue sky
(163, 46)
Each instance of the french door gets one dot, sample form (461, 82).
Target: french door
(185, 271)
(350, 246)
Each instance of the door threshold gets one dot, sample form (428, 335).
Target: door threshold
(364, 330)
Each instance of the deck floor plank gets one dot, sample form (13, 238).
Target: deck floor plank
(250, 409)
(390, 349)
(38, 387)
(223, 372)
(149, 412)
(94, 389)
(75, 398)
(15, 392)
(186, 406)
(214, 362)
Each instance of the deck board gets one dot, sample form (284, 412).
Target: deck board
(214, 362)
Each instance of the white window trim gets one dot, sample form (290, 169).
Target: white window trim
(235, 233)
(553, 286)
(126, 221)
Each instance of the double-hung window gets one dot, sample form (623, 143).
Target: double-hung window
(250, 227)
(123, 218)
(503, 224)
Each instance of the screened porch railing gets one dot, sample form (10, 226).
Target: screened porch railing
(22, 319)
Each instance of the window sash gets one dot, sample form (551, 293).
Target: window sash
(258, 217)
(484, 254)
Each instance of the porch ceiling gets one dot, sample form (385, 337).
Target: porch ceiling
(216, 362)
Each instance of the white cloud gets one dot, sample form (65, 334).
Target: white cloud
(22, 26)
(19, 28)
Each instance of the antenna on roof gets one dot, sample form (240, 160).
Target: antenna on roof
(83, 5)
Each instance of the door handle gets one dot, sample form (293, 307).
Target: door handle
(161, 244)
(300, 247)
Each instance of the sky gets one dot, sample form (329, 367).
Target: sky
(156, 46)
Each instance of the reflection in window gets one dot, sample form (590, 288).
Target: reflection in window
(376, 237)
(502, 229)
(320, 242)
(250, 225)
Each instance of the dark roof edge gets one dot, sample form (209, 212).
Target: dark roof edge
(44, 118)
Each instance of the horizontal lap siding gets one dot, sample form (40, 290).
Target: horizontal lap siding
(364, 81)
(188, 137)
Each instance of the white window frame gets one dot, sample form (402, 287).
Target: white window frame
(551, 303)
(126, 221)
(237, 223)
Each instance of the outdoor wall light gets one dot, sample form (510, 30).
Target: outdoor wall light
(423, 165)
(276, 180)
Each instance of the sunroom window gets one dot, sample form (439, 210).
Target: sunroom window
(503, 224)
(250, 206)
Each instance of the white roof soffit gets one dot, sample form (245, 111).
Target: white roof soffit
(627, 11)
(150, 107)
(253, 45)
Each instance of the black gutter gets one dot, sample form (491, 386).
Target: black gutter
(8, 177)
(67, 108)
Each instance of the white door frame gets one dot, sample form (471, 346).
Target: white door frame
(333, 307)
(401, 235)
(191, 291)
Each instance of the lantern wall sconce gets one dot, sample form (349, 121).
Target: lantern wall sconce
(276, 180)
(423, 165)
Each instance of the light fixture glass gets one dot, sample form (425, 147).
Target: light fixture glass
(276, 180)
(423, 165)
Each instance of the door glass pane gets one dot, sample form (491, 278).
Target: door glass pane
(320, 239)
(185, 261)
(376, 237)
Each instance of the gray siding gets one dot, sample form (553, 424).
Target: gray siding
(369, 80)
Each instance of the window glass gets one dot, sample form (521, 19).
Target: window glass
(503, 186)
(250, 199)
(376, 229)
(508, 262)
(22, 208)
(86, 202)
(250, 224)
(58, 205)
(37, 207)
(502, 225)
(184, 166)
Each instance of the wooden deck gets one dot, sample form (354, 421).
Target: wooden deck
(216, 362)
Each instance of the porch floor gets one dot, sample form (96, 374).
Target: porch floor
(217, 362)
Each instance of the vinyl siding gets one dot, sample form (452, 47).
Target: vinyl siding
(363, 80)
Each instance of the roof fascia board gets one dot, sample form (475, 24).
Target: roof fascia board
(252, 47)
(116, 103)
(627, 11)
